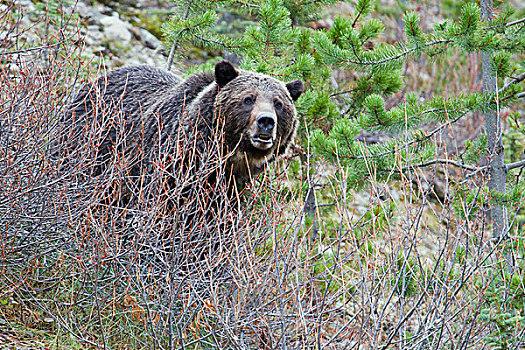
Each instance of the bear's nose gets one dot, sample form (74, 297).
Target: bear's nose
(266, 122)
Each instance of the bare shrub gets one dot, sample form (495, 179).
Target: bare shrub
(167, 255)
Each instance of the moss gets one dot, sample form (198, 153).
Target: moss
(151, 20)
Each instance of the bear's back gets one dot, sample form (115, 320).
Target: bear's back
(130, 90)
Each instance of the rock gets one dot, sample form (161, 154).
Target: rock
(27, 6)
(145, 37)
(136, 33)
(91, 15)
(6, 39)
(138, 55)
(149, 40)
(104, 10)
(82, 10)
(100, 51)
(115, 29)
(94, 37)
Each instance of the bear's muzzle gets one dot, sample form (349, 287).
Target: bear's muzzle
(265, 133)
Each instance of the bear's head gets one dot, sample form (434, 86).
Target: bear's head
(258, 114)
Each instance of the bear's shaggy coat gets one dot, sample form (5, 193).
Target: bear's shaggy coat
(254, 112)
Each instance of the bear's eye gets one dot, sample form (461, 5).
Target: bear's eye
(278, 105)
(249, 100)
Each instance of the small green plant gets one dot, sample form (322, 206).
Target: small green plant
(404, 279)
(504, 310)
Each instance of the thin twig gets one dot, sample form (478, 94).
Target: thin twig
(43, 47)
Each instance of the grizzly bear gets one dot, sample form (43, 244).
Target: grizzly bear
(254, 113)
(164, 157)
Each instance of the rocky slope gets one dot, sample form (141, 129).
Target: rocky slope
(104, 33)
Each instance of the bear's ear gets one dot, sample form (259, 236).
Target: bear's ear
(295, 88)
(224, 73)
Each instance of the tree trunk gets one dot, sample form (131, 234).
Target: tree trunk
(310, 203)
(495, 154)
(176, 42)
(310, 209)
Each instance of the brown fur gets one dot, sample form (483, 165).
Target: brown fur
(159, 109)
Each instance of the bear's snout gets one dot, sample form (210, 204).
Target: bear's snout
(266, 123)
(263, 131)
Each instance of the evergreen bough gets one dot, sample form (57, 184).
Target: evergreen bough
(277, 42)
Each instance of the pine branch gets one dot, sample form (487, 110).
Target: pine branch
(176, 42)
(242, 3)
(483, 168)
(411, 142)
(515, 22)
(217, 42)
(514, 80)
(516, 95)
(387, 59)
(518, 164)
(465, 36)
(518, 21)
(439, 161)
(362, 9)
